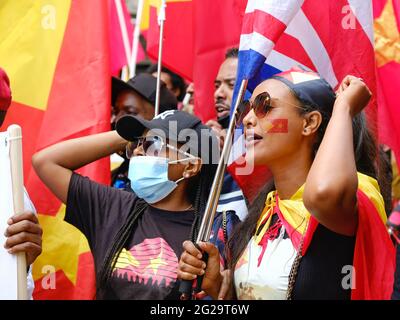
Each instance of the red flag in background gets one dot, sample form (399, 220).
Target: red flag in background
(61, 90)
(197, 34)
(387, 49)
(178, 35)
(217, 27)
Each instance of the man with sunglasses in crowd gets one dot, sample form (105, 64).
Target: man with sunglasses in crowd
(136, 97)
(24, 233)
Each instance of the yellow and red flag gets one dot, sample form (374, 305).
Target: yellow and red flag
(374, 253)
(387, 51)
(56, 54)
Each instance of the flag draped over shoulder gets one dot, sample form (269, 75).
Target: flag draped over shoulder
(57, 56)
(374, 253)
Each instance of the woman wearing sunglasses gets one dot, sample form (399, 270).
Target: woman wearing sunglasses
(317, 230)
(136, 237)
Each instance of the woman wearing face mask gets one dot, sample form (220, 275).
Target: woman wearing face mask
(317, 231)
(136, 237)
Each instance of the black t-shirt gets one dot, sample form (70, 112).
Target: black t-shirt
(324, 272)
(147, 266)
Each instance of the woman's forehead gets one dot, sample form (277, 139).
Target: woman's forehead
(275, 88)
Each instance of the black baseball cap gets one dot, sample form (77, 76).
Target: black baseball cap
(309, 87)
(145, 85)
(174, 125)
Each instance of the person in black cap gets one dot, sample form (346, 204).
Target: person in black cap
(136, 237)
(136, 97)
(174, 82)
(299, 238)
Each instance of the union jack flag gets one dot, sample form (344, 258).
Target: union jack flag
(332, 37)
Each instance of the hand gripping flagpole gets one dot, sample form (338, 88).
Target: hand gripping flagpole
(15, 141)
(212, 202)
(161, 20)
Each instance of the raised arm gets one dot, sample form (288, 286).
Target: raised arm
(331, 185)
(55, 164)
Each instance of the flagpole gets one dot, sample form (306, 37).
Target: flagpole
(136, 36)
(211, 208)
(15, 140)
(161, 20)
(125, 38)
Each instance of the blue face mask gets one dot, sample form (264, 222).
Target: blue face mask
(149, 178)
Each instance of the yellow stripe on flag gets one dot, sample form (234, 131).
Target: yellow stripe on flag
(31, 34)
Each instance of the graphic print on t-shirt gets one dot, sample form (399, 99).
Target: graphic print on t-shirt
(151, 262)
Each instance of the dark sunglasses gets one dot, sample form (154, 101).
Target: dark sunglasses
(152, 146)
(261, 106)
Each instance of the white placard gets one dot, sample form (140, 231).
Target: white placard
(8, 262)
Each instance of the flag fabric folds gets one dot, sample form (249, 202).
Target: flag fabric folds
(333, 38)
(197, 33)
(374, 254)
(57, 56)
(121, 32)
(178, 35)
